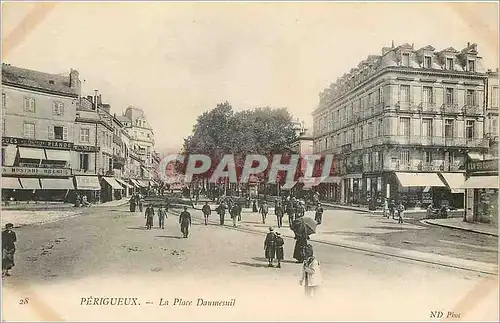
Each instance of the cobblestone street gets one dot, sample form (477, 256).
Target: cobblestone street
(107, 252)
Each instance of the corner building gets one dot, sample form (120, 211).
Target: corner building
(402, 124)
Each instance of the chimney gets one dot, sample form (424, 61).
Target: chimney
(468, 44)
(73, 79)
(96, 93)
(392, 44)
(99, 102)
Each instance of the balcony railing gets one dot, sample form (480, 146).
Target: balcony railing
(472, 110)
(404, 106)
(428, 107)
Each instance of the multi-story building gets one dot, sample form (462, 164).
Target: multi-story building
(38, 115)
(491, 122)
(401, 124)
(142, 139)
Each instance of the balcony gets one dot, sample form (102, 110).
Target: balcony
(450, 108)
(427, 107)
(477, 142)
(354, 169)
(472, 110)
(404, 106)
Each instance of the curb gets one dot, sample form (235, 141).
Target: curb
(459, 228)
(373, 249)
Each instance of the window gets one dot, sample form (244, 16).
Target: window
(494, 126)
(370, 99)
(29, 130)
(58, 133)
(449, 63)
(369, 131)
(471, 65)
(469, 129)
(471, 98)
(494, 96)
(427, 128)
(361, 133)
(404, 157)
(404, 93)
(450, 157)
(428, 95)
(450, 98)
(380, 95)
(29, 104)
(406, 59)
(58, 108)
(448, 128)
(428, 62)
(353, 135)
(110, 164)
(85, 135)
(4, 101)
(380, 128)
(404, 126)
(84, 162)
(428, 157)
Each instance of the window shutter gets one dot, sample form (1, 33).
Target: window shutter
(51, 132)
(434, 95)
(65, 133)
(61, 108)
(26, 104)
(54, 108)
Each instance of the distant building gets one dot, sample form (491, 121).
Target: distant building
(491, 122)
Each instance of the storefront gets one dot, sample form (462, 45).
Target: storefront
(110, 189)
(127, 188)
(454, 193)
(481, 191)
(414, 190)
(89, 186)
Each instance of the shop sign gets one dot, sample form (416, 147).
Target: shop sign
(37, 143)
(482, 166)
(85, 148)
(7, 170)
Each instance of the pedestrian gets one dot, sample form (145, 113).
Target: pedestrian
(234, 215)
(206, 212)
(185, 222)
(162, 214)
(279, 249)
(300, 243)
(149, 215)
(221, 210)
(254, 207)
(264, 210)
(319, 214)
(132, 203)
(141, 201)
(392, 209)
(290, 211)
(444, 212)
(9, 240)
(386, 209)
(400, 211)
(311, 273)
(430, 211)
(278, 210)
(301, 210)
(270, 247)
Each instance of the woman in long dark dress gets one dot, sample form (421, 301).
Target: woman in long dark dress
(300, 243)
(132, 204)
(254, 207)
(8, 248)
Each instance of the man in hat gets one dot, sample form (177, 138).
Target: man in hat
(162, 214)
(279, 248)
(149, 215)
(206, 212)
(185, 222)
(278, 210)
(269, 246)
(263, 211)
(319, 214)
(8, 248)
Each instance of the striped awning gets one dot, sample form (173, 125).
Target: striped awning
(30, 183)
(11, 183)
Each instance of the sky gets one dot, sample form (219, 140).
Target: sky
(176, 60)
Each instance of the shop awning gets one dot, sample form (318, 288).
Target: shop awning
(30, 183)
(143, 183)
(113, 183)
(87, 183)
(53, 154)
(454, 181)
(31, 153)
(11, 183)
(57, 183)
(475, 156)
(481, 182)
(419, 179)
(123, 183)
(133, 181)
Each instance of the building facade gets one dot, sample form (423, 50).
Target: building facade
(491, 123)
(402, 121)
(38, 120)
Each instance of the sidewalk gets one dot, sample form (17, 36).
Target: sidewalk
(457, 223)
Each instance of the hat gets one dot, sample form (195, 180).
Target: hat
(271, 229)
(9, 225)
(278, 234)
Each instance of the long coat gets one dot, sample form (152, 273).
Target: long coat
(270, 245)
(279, 248)
(300, 243)
(311, 272)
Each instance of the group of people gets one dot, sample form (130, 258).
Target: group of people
(81, 200)
(294, 209)
(234, 209)
(136, 200)
(391, 209)
(311, 274)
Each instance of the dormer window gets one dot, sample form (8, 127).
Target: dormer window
(449, 63)
(406, 59)
(427, 62)
(471, 65)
